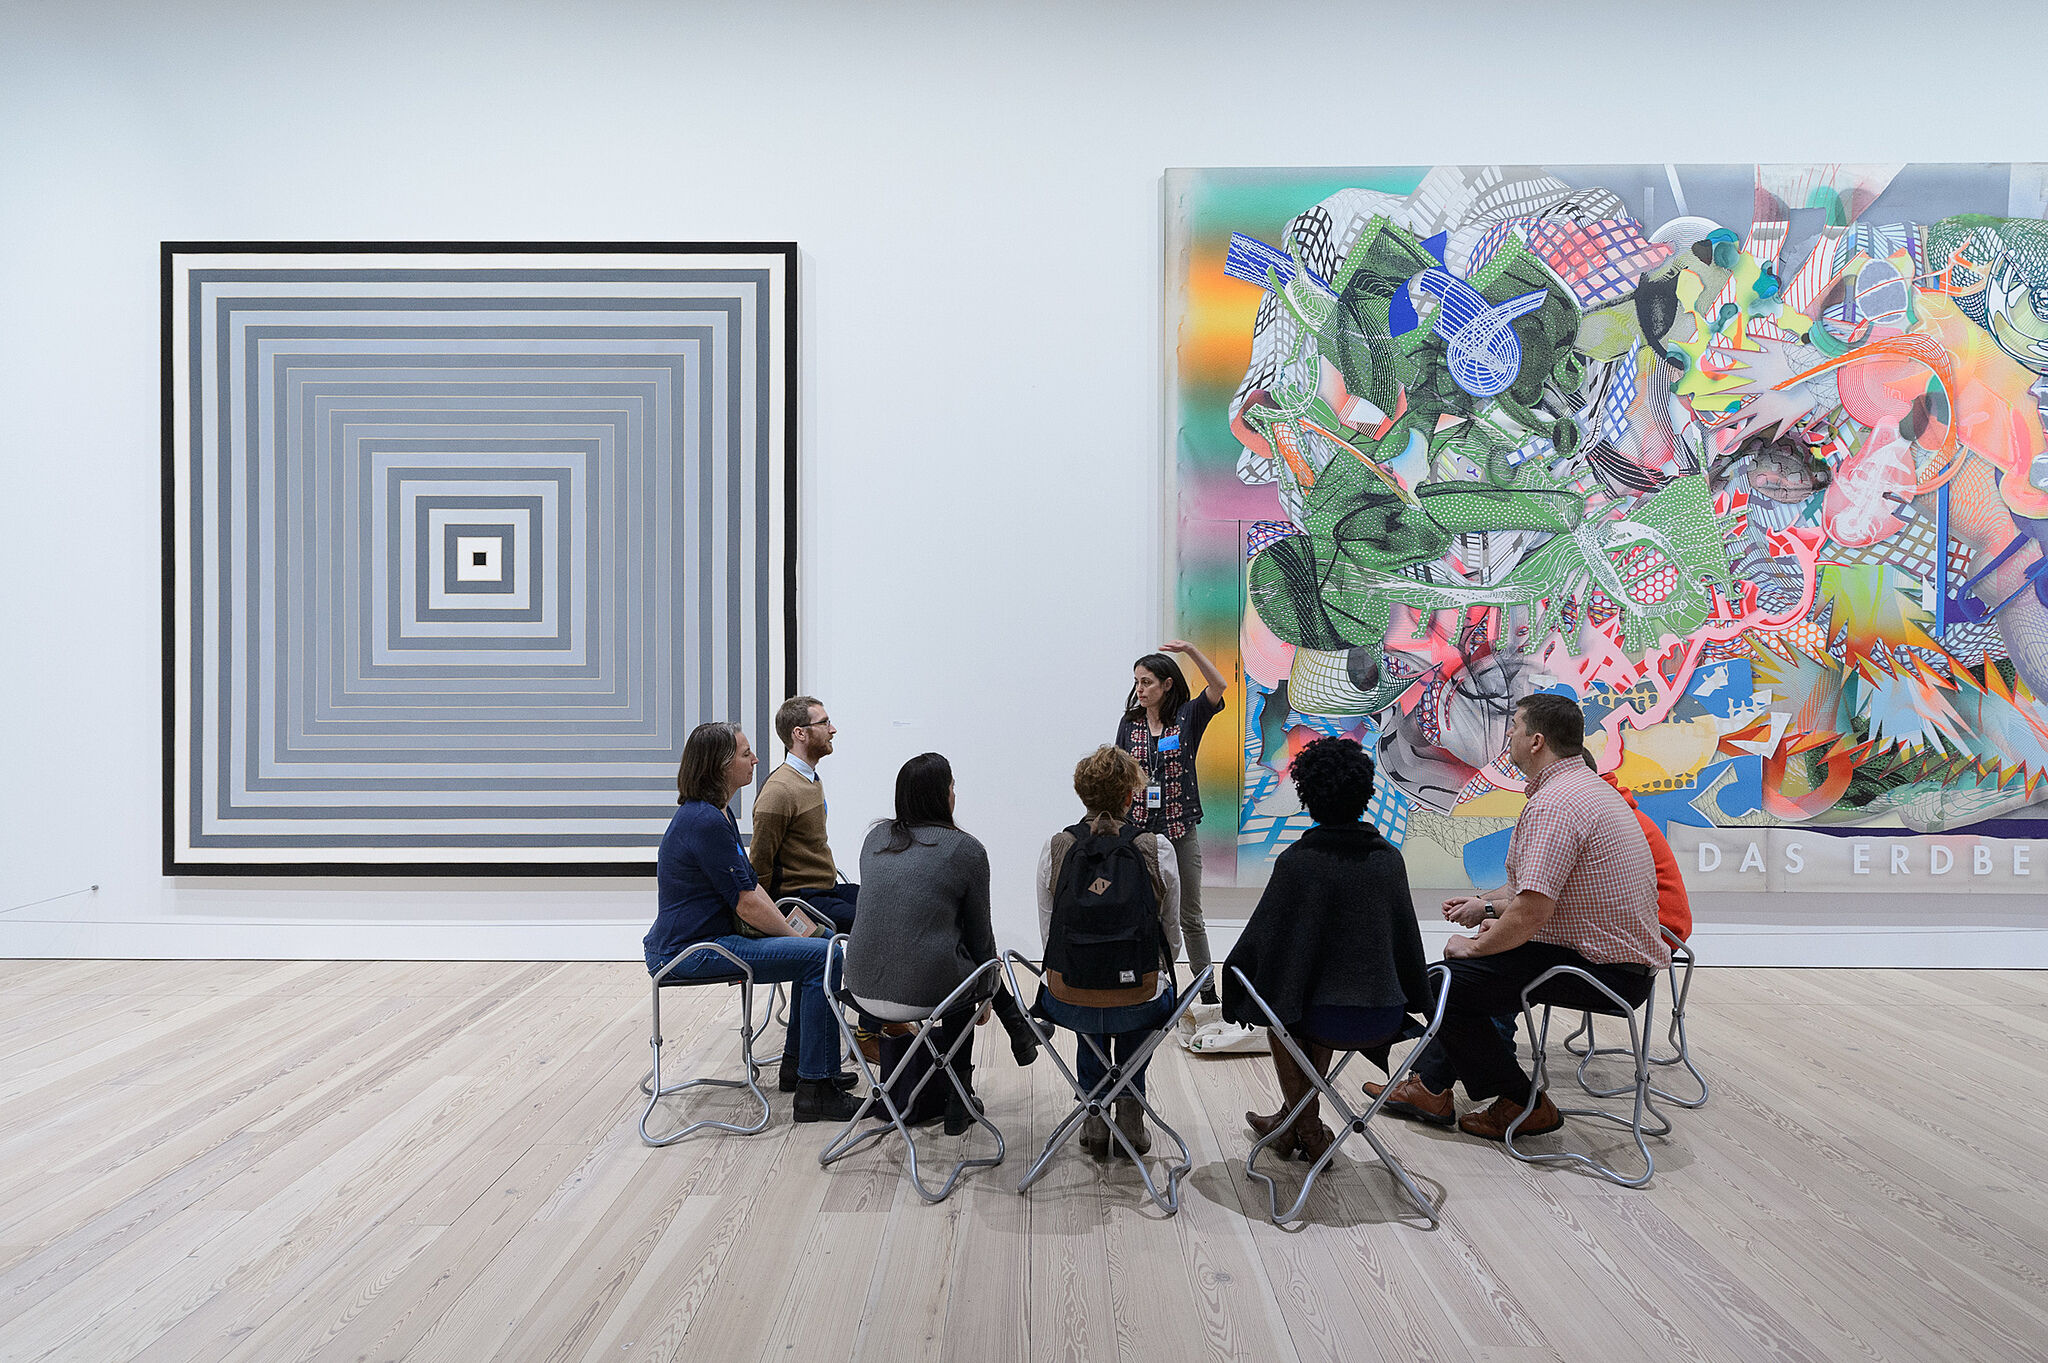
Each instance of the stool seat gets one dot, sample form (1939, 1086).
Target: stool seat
(723, 977)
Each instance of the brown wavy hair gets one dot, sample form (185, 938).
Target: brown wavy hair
(791, 713)
(1106, 779)
(706, 752)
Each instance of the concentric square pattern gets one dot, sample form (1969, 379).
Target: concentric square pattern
(464, 544)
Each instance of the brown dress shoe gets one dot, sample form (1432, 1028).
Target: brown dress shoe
(1416, 1101)
(1493, 1123)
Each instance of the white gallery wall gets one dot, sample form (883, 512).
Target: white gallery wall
(977, 192)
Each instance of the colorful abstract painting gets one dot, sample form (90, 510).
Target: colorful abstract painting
(1748, 460)
(462, 541)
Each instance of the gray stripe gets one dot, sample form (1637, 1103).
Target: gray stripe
(417, 275)
(289, 432)
(504, 544)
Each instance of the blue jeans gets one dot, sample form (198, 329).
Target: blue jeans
(813, 1039)
(1119, 1031)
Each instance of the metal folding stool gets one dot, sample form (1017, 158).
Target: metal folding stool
(1681, 1050)
(972, 991)
(1118, 1081)
(1639, 1037)
(1352, 1123)
(742, 975)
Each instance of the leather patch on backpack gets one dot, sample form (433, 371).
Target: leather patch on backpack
(1101, 884)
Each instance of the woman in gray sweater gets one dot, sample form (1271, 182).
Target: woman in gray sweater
(924, 926)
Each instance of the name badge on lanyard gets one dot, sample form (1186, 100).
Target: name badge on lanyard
(1153, 796)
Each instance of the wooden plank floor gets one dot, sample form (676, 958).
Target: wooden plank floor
(217, 1161)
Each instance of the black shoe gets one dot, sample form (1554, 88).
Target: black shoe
(958, 1119)
(786, 1078)
(821, 1100)
(1207, 997)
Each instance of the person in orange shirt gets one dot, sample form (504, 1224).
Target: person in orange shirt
(1674, 910)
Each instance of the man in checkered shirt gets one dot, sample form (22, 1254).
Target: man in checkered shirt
(1581, 891)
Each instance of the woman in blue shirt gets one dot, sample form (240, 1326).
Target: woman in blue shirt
(707, 888)
(1162, 727)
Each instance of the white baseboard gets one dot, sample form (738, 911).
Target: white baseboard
(1868, 946)
(283, 940)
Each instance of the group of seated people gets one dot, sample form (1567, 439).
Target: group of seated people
(1333, 948)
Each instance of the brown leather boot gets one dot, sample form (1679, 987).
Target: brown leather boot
(1311, 1141)
(1294, 1086)
(1311, 1137)
(1263, 1127)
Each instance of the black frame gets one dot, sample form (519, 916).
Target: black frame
(168, 251)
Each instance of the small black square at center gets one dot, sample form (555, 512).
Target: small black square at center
(475, 560)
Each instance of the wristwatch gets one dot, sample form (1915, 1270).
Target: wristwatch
(1491, 912)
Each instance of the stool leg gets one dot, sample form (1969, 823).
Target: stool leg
(656, 1090)
(1644, 1107)
(1585, 1029)
(1681, 1052)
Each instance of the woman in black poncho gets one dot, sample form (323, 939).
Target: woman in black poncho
(1333, 947)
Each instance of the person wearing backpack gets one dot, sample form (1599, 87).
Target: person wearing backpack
(1109, 915)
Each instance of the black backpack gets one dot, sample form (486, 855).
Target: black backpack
(1105, 936)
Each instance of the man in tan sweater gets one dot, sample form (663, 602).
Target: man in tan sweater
(789, 851)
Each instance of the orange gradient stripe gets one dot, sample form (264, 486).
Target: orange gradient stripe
(1216, 329)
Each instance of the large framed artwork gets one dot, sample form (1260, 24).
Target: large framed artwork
(1749, 460)
(461, 540)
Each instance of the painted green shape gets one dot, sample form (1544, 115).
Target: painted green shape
(1356, 342)
(1339, 584)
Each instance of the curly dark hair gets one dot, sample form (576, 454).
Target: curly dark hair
(1333, 776)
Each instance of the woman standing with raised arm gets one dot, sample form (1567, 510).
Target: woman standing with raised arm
(1162, 727)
